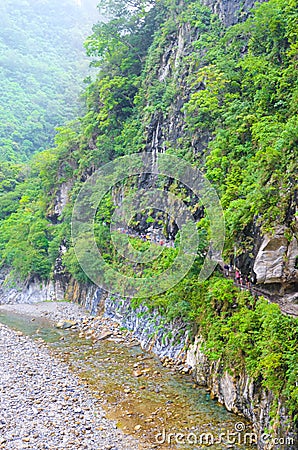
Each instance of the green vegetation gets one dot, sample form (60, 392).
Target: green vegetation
(42, 67)
(240, 331)
(249, 103)
(243, 90)
(237, 89)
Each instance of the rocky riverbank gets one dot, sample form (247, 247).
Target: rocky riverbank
(241, 395)
(44, 406)
(71, 315)
(52, 311)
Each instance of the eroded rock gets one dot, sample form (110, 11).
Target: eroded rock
(276, 261)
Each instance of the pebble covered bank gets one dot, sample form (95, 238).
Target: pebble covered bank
(44, 406)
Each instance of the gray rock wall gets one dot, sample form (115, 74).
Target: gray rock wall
(240, 394)
(151, 330)
(231, 11)
(276, 261)
(30, 291)
(243, 395)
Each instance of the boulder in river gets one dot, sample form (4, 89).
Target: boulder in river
(64, 324)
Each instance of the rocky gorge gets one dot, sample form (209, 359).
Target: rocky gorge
(174, 344)
(181, 89)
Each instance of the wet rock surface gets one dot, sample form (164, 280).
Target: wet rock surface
(44, 406)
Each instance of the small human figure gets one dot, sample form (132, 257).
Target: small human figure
(237, 276)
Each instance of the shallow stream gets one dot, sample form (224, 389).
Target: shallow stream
(161, 407)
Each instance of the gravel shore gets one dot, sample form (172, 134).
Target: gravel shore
(44, 406)
(53, 311)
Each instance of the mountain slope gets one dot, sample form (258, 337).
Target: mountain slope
(42, 64)
(174, 79)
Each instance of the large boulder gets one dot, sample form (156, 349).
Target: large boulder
(276, 261)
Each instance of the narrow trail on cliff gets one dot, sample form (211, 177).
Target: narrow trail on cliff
(287, 308)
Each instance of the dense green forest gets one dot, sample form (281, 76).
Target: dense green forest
(42, 66)
(238, 88)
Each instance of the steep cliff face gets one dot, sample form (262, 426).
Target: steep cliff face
(31, 291)
(242, 394)
(166, 129)
(270, 259)
(231, 11)
(270, 255)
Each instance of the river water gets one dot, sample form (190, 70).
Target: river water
(161, 407)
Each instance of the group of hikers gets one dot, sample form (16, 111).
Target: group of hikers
(245, 281)
(239, 278)
(147, 237)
